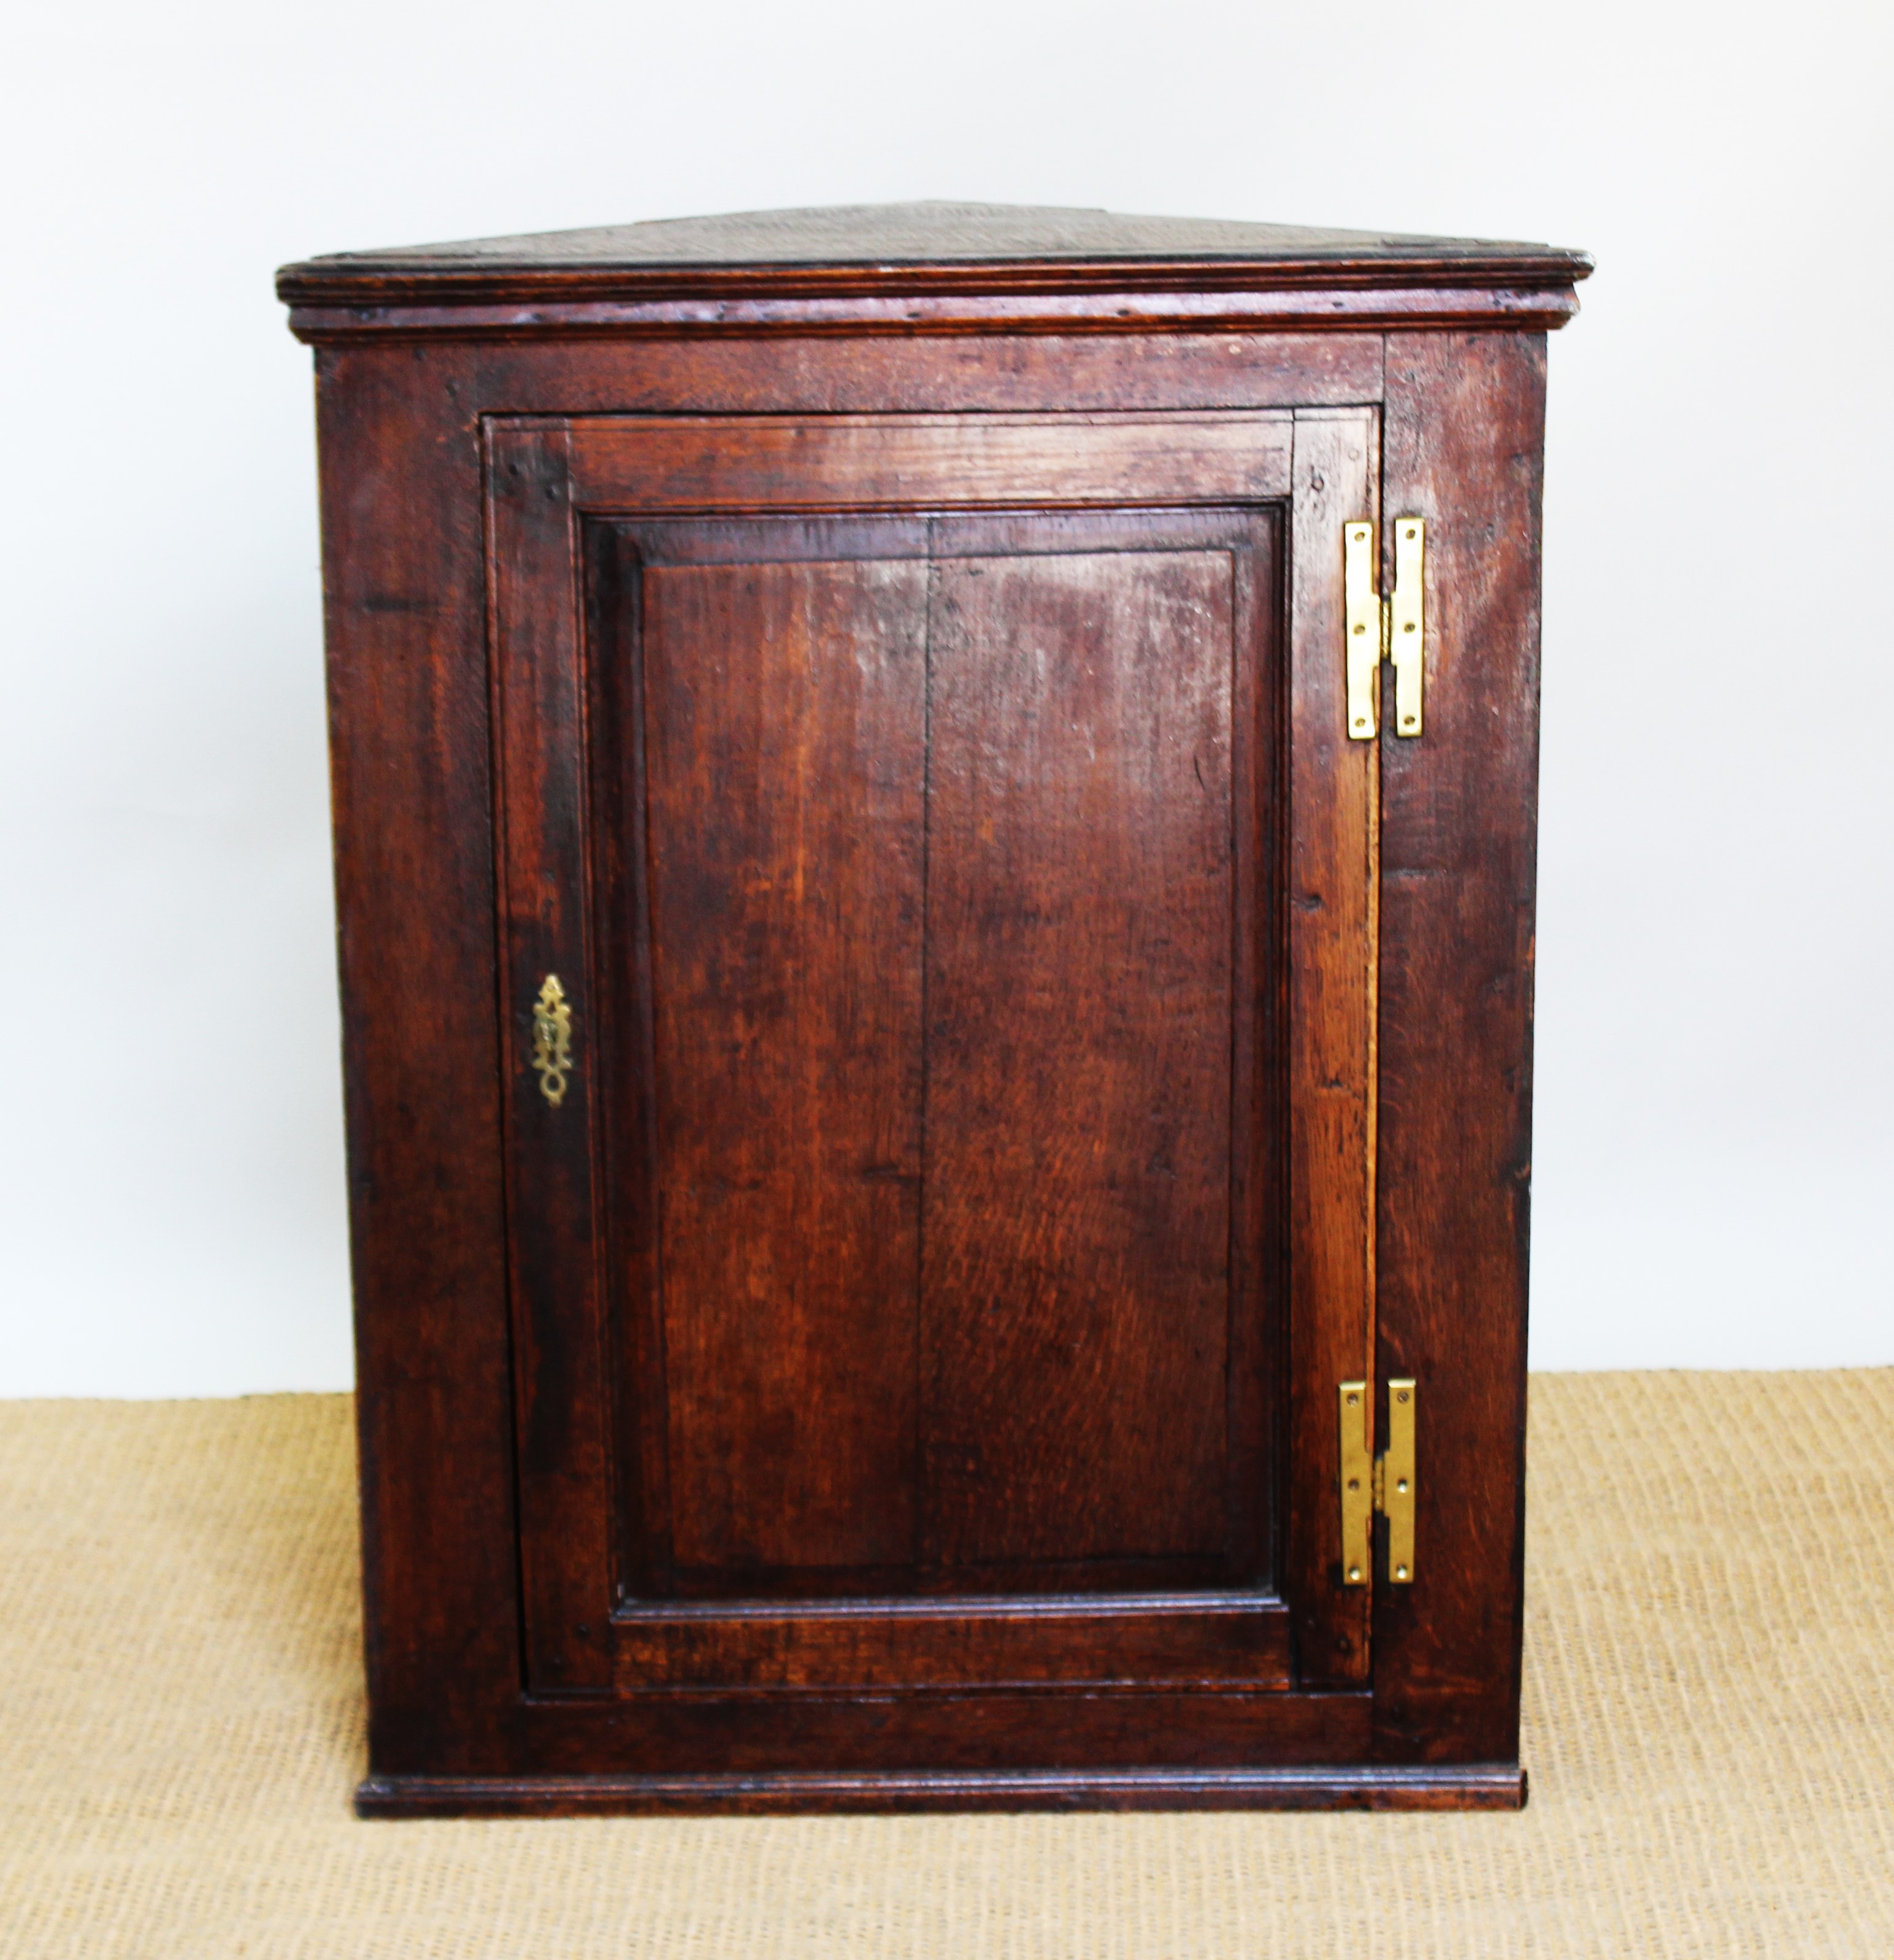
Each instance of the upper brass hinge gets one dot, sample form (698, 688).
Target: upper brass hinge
(1382, 1483)
(1393, 628)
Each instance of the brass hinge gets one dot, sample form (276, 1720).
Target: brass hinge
(1393, 628)
(1371, 1483)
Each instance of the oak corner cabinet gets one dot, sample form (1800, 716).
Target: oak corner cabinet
(934, 818)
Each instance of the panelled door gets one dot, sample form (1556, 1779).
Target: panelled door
(936, 913)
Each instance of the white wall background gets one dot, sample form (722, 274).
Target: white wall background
(1714, 1165)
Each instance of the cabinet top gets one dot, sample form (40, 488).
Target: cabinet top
(933, 251)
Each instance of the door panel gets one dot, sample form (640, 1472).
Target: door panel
(939, 1314)
(783, 733)
(1076, 1278)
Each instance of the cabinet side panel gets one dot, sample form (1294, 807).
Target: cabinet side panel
(408, 684)
(784, 734)
(1464, 425)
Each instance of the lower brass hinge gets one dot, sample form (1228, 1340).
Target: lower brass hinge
(1371, 1483)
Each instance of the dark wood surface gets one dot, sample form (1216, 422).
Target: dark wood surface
(1329, 1011)
(554, 1209)
(848, 736)
(921, 268)
(1465, 434)
(1469, 1786)
(936, 232)
(784, 737)
(521, 1615)
(1076, 1289)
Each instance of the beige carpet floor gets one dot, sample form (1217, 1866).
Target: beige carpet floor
(1709, 1727)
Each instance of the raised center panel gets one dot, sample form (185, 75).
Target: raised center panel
(953, 1080)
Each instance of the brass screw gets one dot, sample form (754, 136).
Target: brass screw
(1354, 1572)
(1403, 1396)
(1400, 1572)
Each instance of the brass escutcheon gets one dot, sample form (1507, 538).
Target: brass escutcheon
(552, 1040)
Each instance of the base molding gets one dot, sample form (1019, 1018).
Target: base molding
(1368, 1787)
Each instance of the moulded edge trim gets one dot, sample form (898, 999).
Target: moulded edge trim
(323, 319)
(1500, 1786)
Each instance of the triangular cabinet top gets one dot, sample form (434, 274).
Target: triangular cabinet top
(914, 266)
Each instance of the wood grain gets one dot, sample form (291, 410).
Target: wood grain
(452, 382)
(412, 797)
(922, 269)
(1079, 1727)
(1472, 1787)
(1122, 311)
(1331, 968)
(551, 1151)
(1198, 1640)
(784, 725)
(932, 240)
(1465, 423)
(894, 462)
(925, 269)
(1080, 908)
(727, 719)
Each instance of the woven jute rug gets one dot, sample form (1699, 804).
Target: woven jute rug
(1709, 1727)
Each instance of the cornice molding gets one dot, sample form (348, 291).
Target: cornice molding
(327, 311)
